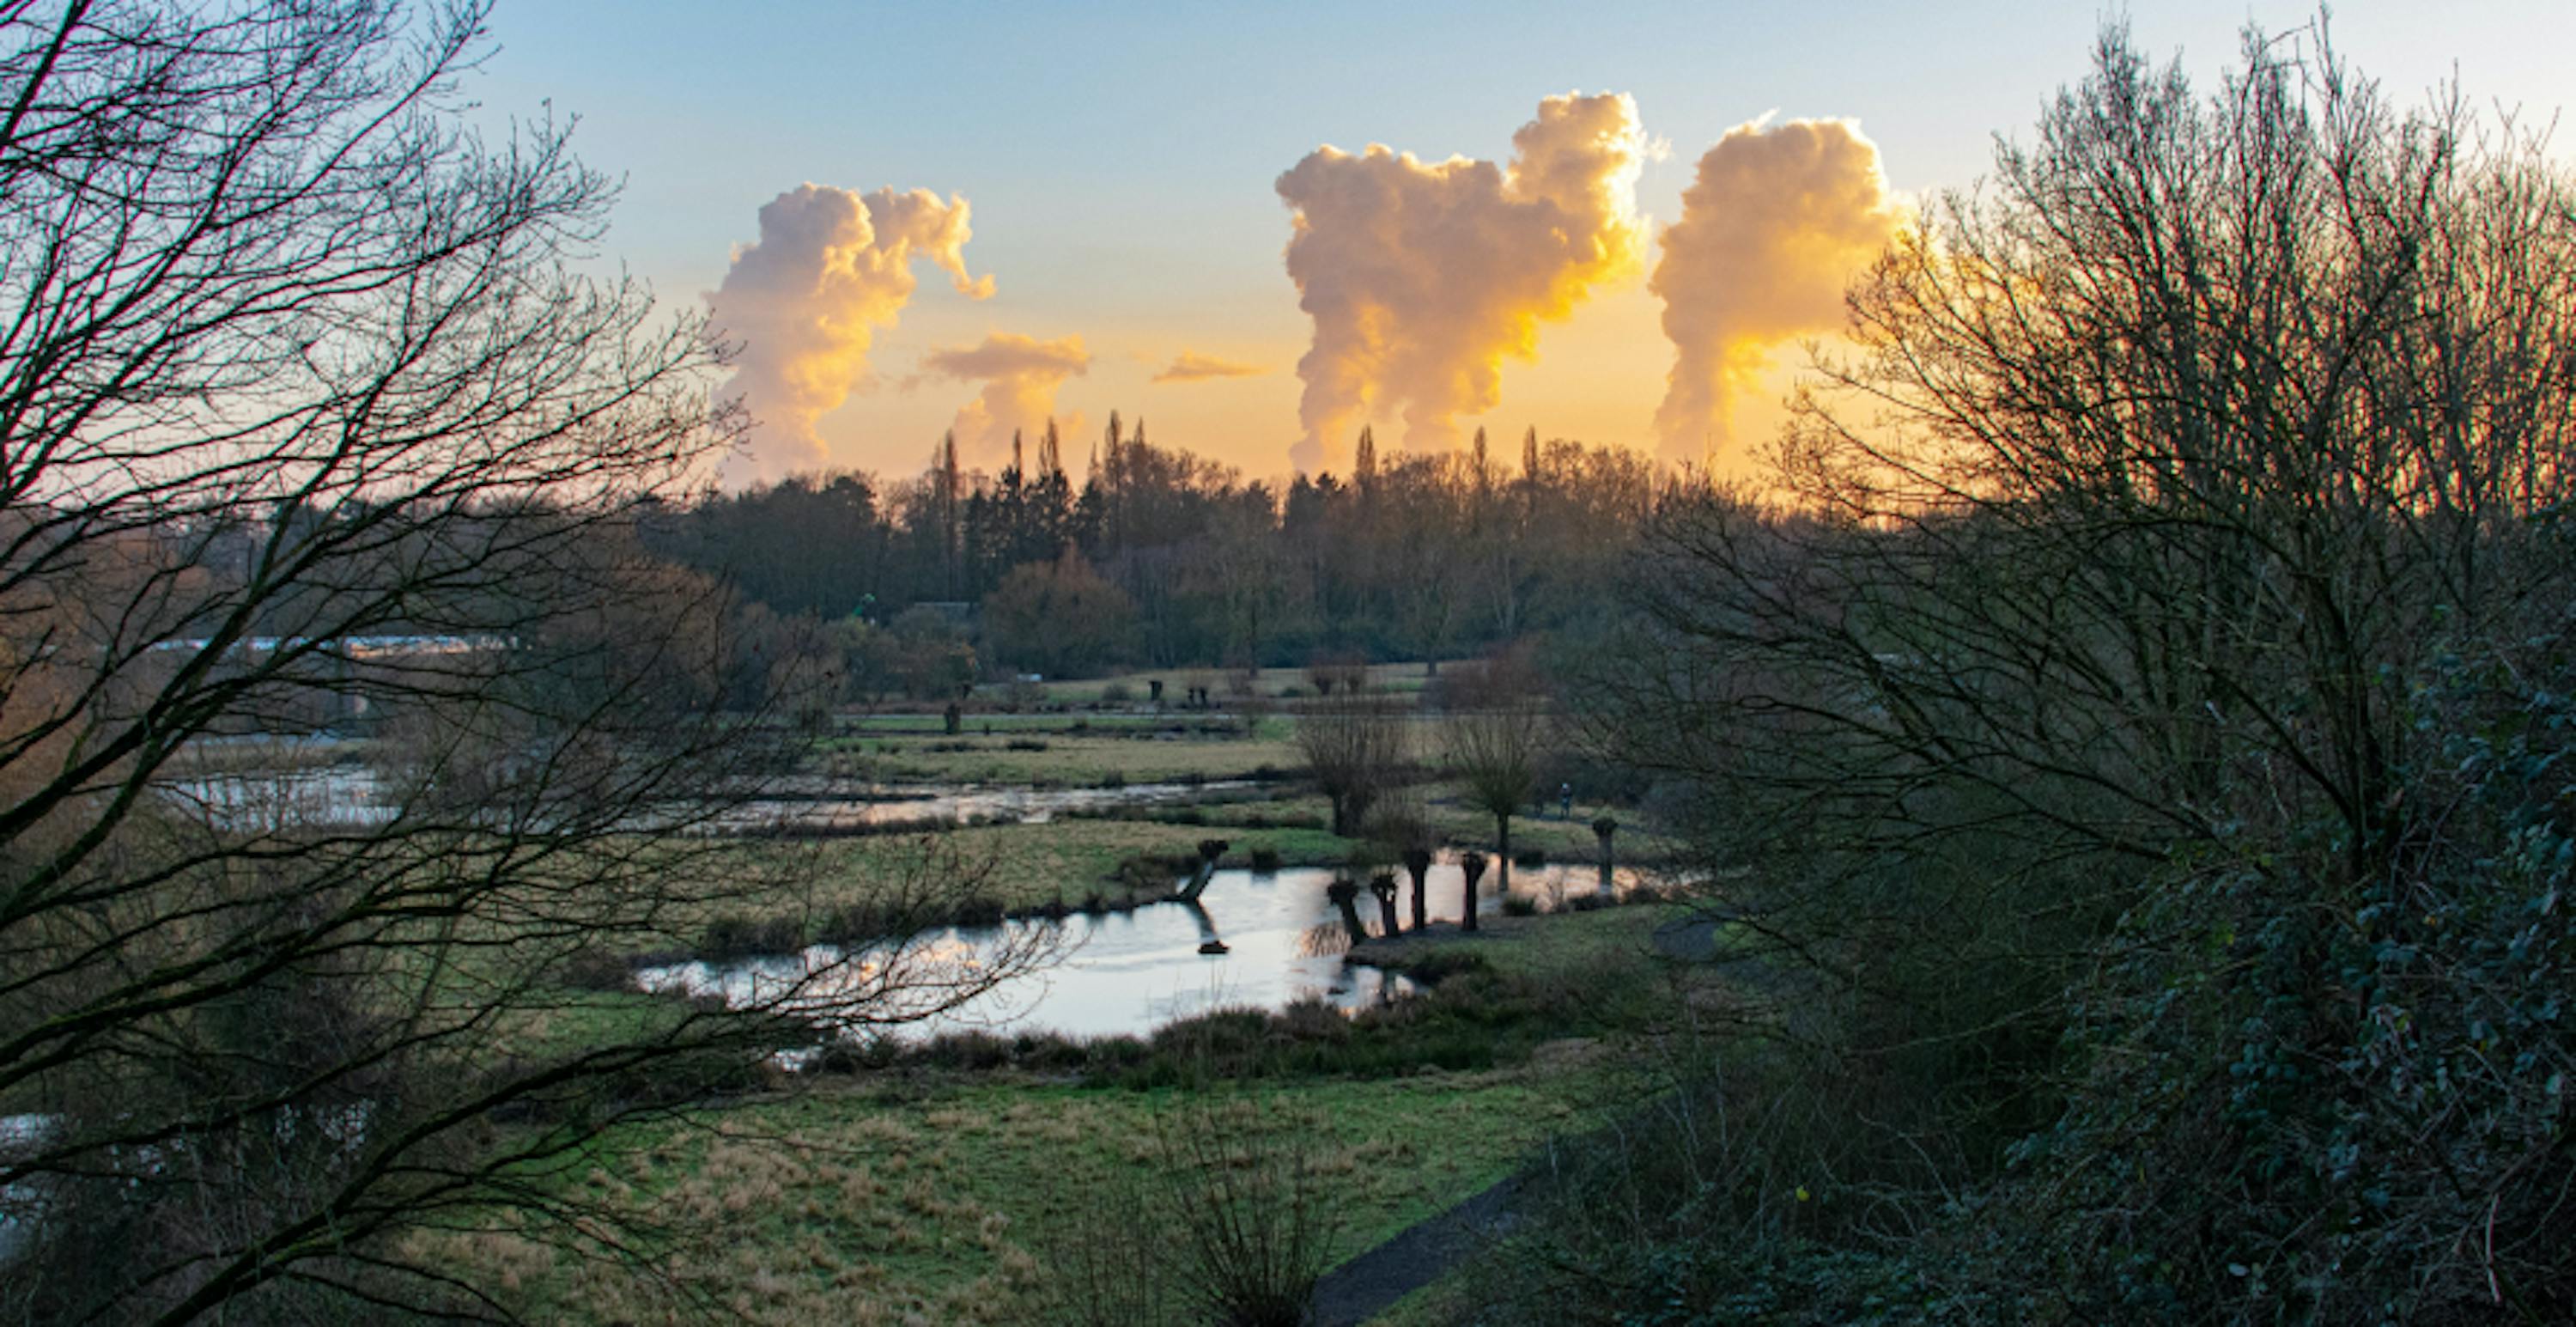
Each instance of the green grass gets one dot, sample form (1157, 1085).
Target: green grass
(1030, 865)
(930, 724)
(1269, 683)
(1553, 946)
(1038, 863)
(843, 1206)
(575, 1020)
(1073, 860)
(926, 1193)
(1455, 823)
(1072, 760)
(1433, 1305)
(942, 1199)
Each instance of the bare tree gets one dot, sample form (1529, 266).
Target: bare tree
(1355, 747)
(2100, 611)
(1494, 751)
(1495, 737)
(309, 428)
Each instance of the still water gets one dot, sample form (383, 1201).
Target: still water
(1129, 973)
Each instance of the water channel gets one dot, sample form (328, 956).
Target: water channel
(353, 795)
(1280, 939)
(1129, 973)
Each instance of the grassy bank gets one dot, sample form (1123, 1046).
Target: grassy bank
(945, 1204)
(941, 1184)
(1025, 866)
(1061, 758)
(1554, 946)
(1226, 687)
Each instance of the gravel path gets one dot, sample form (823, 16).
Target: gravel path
(1420, 1254)
(1690, 939)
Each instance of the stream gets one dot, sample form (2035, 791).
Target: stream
(349, 796)
(843, 807)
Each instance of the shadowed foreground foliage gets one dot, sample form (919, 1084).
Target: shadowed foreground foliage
(2148, 731)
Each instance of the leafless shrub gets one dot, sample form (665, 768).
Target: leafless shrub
(1355, 747)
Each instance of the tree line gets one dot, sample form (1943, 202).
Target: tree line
(1163, 558)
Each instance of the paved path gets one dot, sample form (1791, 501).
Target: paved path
(1689, 939)
(1420, 1254)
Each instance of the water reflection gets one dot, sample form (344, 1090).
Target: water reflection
(1129, 973)
(881, 806)
(268, 801)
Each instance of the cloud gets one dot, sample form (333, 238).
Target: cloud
(830, 268)
(1422, 277)
(1779, 221)
(1020, 375)
(1191, 366)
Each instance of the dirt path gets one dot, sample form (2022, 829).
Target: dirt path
(1420, 1254)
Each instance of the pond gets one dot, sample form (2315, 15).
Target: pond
(1129, 973)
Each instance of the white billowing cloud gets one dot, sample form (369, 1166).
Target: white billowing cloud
(1020, 376)
(1779, 221)
(1191, 366)
(1422, 277)
(802, 304)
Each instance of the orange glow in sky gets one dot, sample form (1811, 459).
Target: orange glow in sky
(1129, 171)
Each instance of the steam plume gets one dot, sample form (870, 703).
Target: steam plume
(1779, 221)
(1020, 375)
(1191, 366)
(830, 268)
(1422, 277)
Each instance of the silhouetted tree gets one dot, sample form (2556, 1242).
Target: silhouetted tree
(2119, 696)
(308, 415)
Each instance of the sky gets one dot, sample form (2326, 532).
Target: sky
(1113, 191)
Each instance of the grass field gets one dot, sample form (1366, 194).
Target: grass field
(845, 1205)
(941, 1191)
(1134, 855)
(1064, 859)
(1055, 757)
(938, 1191)
(1454, 823)
(1269, 683)
(1558, 946)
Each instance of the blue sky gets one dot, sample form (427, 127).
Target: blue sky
(1120, 158)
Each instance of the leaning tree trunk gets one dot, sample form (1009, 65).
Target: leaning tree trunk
(1603, 828)
(1417, 863)
(1345, 896)
(1209, 851)
(1474, 865)
(1383, 886)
